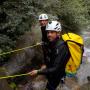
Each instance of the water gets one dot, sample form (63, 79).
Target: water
(85, 66)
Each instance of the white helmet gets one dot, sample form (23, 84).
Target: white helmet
(43, 17)
(53, 26)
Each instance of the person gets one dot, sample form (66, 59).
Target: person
(57, 57)
(43, 20)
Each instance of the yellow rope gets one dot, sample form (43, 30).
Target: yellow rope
(12, 76)
(5, 53)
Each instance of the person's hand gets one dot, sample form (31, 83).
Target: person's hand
(33, 73)
(43, 67)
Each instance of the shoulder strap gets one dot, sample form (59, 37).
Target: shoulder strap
(60, 42)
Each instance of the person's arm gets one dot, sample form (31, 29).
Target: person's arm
(60, 61)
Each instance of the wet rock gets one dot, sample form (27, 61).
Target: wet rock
(3, 82)
(87, 85)
(30, 56)
(38, 83)
(88, 78)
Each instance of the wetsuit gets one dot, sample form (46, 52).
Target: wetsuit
(45, 43)
(58, 57)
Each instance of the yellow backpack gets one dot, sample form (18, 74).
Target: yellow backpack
(75, 44)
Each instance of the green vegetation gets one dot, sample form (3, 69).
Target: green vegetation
(17, 17)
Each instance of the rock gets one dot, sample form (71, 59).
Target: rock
(38, 83)
(3, 82)
(87, 85)
(30, 56)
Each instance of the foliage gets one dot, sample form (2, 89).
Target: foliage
(17, 17)
(15, 20)
(74, 14)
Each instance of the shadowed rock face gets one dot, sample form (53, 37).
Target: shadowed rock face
(38, 83)
(24, 61)
(31, 57)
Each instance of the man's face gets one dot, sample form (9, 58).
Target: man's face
(43, 22)
(51, 35)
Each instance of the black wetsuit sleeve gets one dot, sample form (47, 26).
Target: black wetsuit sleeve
(59, 63)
